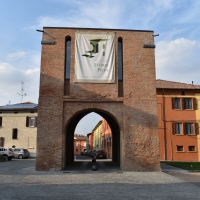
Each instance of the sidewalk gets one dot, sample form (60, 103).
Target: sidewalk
(169, 168)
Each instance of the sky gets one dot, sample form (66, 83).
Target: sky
(177, 53)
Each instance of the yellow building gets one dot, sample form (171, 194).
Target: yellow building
(97, 136)
(18, 126)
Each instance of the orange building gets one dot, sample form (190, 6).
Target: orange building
(178, 120)
(79, 143)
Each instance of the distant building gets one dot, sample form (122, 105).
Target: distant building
(97, 136)
(90, 141)
(101, 138)
(18, 126)
(106, 138)
(79, 143)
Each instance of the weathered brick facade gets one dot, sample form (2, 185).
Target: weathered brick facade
(132, 118)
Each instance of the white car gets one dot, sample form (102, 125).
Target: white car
(21, 153)
(8, 153)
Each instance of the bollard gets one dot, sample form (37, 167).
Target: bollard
(94, 167)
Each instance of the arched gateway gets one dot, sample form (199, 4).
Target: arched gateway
(72, 123)
(107, 71)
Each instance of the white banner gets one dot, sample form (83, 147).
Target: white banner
(95, 58)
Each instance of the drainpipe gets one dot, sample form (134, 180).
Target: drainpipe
(165, 136)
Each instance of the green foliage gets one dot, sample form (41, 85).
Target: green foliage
(185, 165)
(2, 159)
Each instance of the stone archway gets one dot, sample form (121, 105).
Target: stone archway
(70, 128)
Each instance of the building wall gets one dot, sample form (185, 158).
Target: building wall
(135, 112)
(107, 138)
(79, 145)
(167, 116)
(97, 136)
(90, 141)
(26, 135)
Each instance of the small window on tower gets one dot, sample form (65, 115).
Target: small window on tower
(179, 148)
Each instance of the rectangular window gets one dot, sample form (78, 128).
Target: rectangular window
(76, 150)
(31, 121)
(176, 103)
(177, 128)
(14, 134)
(184, 103)
(120, 68)
(1, 121)
(77, 144)
(67, 58)
(67, 65)
(187, 103)
(84, 144)
(191, 148)
(189, 128)
(179, 148)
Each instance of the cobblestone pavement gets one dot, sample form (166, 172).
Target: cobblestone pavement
(19, 180)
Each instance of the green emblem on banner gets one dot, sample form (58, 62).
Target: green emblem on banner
(95, 44)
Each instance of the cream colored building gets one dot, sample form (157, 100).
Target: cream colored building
(18, 126)
(97, 136)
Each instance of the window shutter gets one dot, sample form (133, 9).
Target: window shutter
(196, 125)
(184, 129)
(35, 125)
(173, 103)
(0, 121)
(27, 121)
(183, 103)
(194, 103)
(173, 128)
(1, 141)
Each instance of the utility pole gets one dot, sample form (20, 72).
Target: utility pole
(22, 91)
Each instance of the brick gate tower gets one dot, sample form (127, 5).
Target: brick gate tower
(107, 71)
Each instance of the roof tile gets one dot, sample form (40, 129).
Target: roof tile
(163, 84)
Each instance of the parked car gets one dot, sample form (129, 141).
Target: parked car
(83, 151)
(93, 153)
(21, 153)
(89, 152)
(101, 154)
(7, 153)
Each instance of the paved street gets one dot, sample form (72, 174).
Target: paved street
(19, 180)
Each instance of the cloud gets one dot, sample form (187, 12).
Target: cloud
(93, 14)
(10, 82)
(15, 56)
(32, 71)
(177, 60)
(106, 14)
